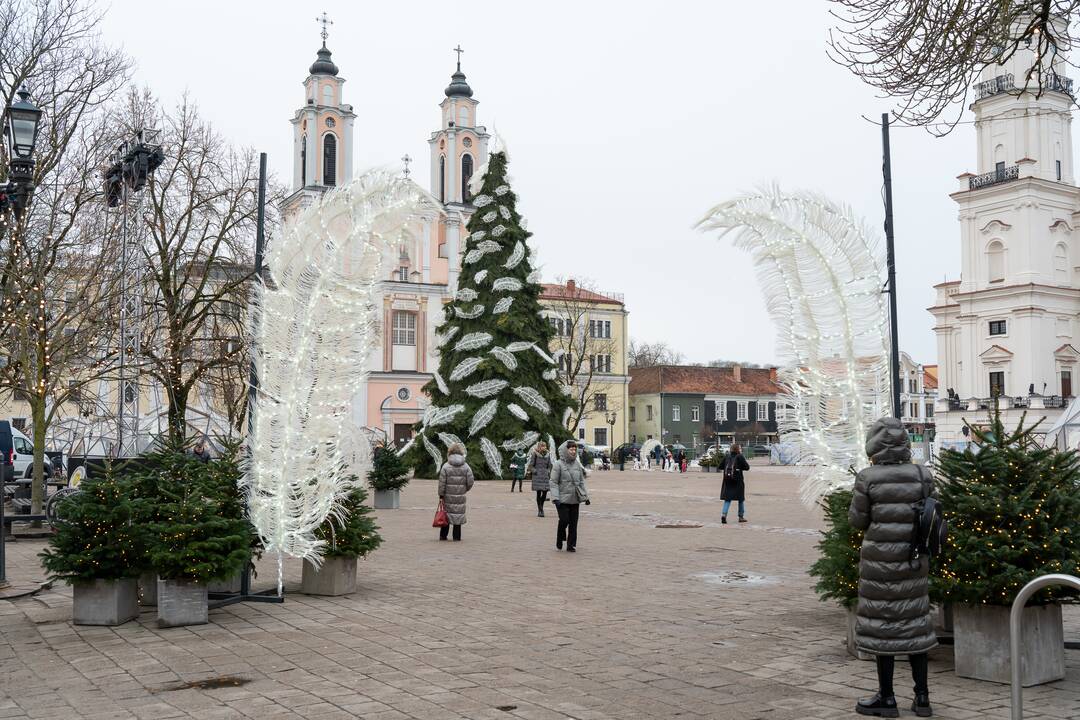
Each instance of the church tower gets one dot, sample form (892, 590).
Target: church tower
(322, 134)
(1008, 328)
(458, 149)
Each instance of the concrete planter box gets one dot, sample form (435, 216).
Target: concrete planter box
(981, 643)
(944, 623)
(105, 602)
(854, 651)
(231, 585)
(181, 602)
(148, 589)
(387, 499)
(336, 576)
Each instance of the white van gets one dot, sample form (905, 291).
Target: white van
(24, 457)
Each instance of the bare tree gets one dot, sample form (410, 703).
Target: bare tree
(586, 346)
(56, 288)
(927, 54)
(197, 257)
(645, 354)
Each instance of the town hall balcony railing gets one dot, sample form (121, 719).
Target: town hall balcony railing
(1058, 83)
(994, 177)
(1000, 84)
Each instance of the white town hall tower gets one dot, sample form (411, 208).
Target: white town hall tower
(1007, 327)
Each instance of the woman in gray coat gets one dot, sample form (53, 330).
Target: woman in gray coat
(540, 466)
(455, 479)
(568, 491)
(893, 612)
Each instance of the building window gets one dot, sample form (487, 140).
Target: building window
(330, 160)
(1066, 383)
(466, 175)
(303, 160)
(997, 383)
(721, 410)
(1058, 164)
(328, 95)
(695, 413)
(600, 363)
(741, 409)
(600, 436)
(999, 167)
(995, 261)
(607, 328)
(912, 386)
(404, 328)
(402, 274)
(581, 434)
(648, 412)
(676, 413)
(913, 408)
(997, 327)
(929, 410)
(442, 178)
(592, 328)
(761, 411)
(633, 414)
(1061, 264)
(566, 363)
(600, 401)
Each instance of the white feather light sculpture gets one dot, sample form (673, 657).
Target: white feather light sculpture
(821, 272)
(312, 326)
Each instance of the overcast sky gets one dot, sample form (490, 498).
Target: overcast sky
(625, 121)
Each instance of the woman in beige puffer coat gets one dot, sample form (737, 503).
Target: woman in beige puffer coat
(893, 614)
(455, 479)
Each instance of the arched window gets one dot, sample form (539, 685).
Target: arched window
(303, 160)
(466, 174)
(329, 159)
(995, 261)
(442, 178)
(1061, 264)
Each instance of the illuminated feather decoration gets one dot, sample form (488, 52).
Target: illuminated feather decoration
(313, 326)
(821, 272)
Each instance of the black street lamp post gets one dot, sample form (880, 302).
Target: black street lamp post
(21, 131)
(610, 418)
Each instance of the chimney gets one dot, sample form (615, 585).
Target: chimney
(736, 370)
(772, 374)
(571, 286)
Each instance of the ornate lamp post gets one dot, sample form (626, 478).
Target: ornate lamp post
(21, 131)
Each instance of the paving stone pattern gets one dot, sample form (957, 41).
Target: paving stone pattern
(716, 621)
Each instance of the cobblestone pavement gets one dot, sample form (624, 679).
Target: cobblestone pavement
(716, 621)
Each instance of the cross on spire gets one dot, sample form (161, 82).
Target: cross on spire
(325, 21)
(406, 160)
(458, 50)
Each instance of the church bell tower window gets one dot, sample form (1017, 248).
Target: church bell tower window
(466, 175)
(442, 178)
(330, 160)
(303, 160)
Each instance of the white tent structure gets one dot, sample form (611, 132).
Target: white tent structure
(1065, 433)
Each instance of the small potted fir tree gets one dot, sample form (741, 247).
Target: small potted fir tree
(347, 538)
(1013, 509)
(387, 476)
(837, 568)
(194, 539)
(96, 549)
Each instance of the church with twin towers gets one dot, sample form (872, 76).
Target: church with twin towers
(425, 264)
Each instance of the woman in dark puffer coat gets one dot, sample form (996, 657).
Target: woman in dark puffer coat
(893, 613)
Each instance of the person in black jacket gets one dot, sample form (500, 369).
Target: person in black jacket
(734, 488)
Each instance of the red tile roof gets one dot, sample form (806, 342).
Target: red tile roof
(702, 380)
(570, 291)
(930, 377)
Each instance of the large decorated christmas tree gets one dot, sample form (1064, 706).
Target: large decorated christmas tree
(496, 390)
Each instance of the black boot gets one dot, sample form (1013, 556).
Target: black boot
(878, 706)
(921, 705)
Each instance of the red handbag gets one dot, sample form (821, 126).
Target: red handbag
(441, 518)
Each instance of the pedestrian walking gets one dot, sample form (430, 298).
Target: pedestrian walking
(200, 451)
(455, 479)
(567, 483)
(892, 616)
(518, 463)
(734, 487)
(540, 465)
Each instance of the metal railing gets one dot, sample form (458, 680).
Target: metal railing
(994, 177)
(1016, 624)
(1058, 83)
(1000, 84)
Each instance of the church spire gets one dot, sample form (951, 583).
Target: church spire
(323, 65)
(458, 86)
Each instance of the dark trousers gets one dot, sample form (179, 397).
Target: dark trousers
(520, 484)
(541, 498)
(920, 668)
(568, 517)
(445, 530)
